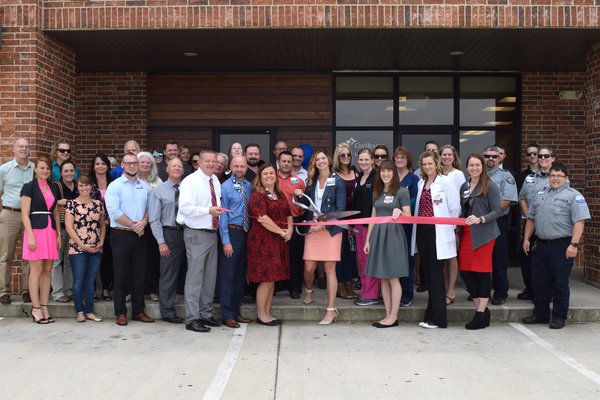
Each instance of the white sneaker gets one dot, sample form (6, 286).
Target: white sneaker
(427, 325)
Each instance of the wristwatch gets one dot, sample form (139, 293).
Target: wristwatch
(574, 244)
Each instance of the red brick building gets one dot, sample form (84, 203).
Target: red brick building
(467, 72)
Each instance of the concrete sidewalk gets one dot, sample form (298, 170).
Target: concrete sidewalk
(585, 306)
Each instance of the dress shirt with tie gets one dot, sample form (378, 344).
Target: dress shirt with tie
(232, 198)
(162, 211)
(195, 200)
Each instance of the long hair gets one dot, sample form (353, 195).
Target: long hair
(456, 159)
(257, 183)
(484, 179)
(337, 165)
(436, 160)
(46, 160)
(92, 172)
(379, 186)
(153, 174)
(312, 169)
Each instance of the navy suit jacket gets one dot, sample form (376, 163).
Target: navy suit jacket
(334, 200)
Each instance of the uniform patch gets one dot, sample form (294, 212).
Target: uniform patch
(580, 199)
(510, 180)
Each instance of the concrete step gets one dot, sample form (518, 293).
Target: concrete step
(584, 306)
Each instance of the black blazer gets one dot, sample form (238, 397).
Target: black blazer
(32, 190)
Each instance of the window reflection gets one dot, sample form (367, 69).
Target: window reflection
(487, 101)
(426, 100)
(364, 101)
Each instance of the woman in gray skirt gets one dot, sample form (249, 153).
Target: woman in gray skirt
(388, 254)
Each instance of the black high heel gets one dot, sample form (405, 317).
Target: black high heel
(487, 316)
(41, 321)
(50, 318)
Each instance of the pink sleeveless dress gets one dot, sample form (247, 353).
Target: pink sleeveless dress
(45, 239)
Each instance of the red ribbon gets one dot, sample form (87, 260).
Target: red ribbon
(390, 220)
(381, 220)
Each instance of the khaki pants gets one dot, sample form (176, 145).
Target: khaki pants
(11, 230)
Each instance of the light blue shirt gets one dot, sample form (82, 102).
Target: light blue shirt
(124, 197)
(233, 199)
(12, 179)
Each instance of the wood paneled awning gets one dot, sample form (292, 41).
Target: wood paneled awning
(327, 50)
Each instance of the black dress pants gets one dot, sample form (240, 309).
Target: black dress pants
(129, 263)
(434, 274)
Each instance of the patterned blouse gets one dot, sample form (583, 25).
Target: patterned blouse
(86, 222)
(426, 205)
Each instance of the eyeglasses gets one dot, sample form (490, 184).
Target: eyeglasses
(345, 155)
(555, 176)
(380, 156)
(494, 156)
(545, 155)
(131, 163)
(532, 153)
(64, 150)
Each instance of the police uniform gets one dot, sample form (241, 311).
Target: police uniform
(508, 191)
(554, 212)
(533, 183)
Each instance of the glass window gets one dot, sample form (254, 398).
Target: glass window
(475, 141)
(365, 139)
(364, 101)
(416, 143)
(261, 139)
(487, 101)
(426, 100)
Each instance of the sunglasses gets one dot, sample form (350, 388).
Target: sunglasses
(532, 153)
(380, 156)
(345, 155)
(195, 161)
(157, 155)
(64, 150)
(494, 156)
(545, 155)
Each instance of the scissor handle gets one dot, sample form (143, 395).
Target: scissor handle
(311, 206)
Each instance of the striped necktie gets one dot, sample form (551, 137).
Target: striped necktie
(213, 200)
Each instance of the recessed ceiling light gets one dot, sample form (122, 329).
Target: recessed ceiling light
(456, 53)
(190, 54)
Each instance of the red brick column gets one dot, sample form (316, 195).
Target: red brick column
(37, 87)
(591, 154)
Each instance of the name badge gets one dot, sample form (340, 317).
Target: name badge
(271, 197)
(438, 198)
(388, 199)
(294, 180)
(330, 182)
(466, 194)
(237, 186)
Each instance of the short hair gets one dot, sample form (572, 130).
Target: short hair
(545, 147)
(406, 153)
(225, 156)
(297, 147)
(559, 167)
(251, 145)
(168, 142)
(174, 158)
(432, 142)
(285, 153)
(84, 179)
(67, 162)
(436, 159)
(206, 151)
(130, 154)
(532, 145)
(382, 147)
(492, 148)
(55, 147)
(137, 145)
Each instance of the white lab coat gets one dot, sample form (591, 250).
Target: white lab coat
(446, 203)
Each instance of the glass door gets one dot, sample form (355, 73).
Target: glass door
(265, 138)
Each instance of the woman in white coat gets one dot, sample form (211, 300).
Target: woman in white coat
(437, 197)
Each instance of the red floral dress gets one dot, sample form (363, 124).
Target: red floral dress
(268, 253)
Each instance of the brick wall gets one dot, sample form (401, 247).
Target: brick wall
(111, 109)
(591, 152)
(179, 14)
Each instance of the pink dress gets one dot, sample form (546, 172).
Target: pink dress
(45, 239)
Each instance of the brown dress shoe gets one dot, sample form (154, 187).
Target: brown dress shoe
(5, 299)
(121, 320)
(26, 297)
(142, 317)
(231, 323)
(243, 320)
(294, 294)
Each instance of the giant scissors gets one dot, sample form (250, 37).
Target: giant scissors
(318, 216)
